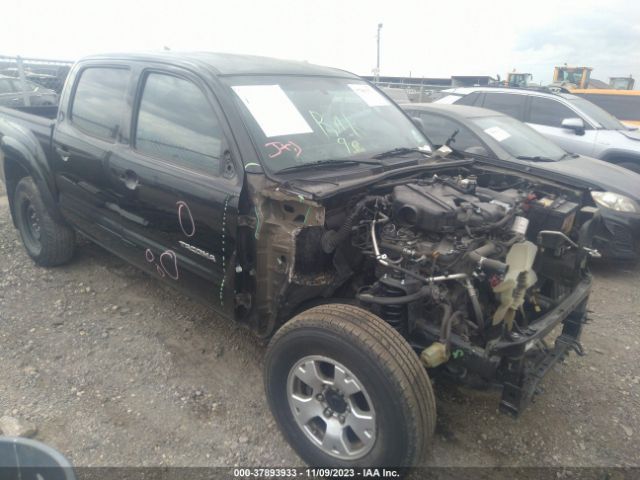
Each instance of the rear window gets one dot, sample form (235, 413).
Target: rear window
(99, 101)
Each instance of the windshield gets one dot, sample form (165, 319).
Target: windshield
(621, 106)
(518, 139)
(299, 120)
(606, 120)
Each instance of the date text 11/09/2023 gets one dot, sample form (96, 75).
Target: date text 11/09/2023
(316, 472)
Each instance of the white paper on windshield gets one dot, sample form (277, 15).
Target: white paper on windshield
(273, 110)
(449, 99)
(370, 96)
(497, 133)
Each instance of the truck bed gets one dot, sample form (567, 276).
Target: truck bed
(39, 120)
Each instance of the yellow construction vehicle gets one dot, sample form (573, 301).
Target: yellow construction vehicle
(572, 77)
(516, 79)
(622, 83)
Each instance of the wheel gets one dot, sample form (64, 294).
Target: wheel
(347, 390)
(47, 241)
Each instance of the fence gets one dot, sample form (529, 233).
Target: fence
(31, 81)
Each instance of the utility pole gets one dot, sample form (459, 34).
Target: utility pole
(377, 76)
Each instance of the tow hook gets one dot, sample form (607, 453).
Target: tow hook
(572, 343)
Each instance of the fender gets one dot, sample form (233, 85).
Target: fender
(22, 147)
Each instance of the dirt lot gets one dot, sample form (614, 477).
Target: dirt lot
(116, 369)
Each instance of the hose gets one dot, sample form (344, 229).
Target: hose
(489, 265)
(331, 239)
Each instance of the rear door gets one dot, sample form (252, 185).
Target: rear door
(87, 136)
(546, 115)
(176, 186)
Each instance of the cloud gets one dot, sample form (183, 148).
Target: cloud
(608, 41)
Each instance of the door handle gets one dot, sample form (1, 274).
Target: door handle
(130, 179)
(64, 153)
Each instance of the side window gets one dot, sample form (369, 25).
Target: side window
(176, 122)
(439, 129)
(470, 99)
(99, 101)
(545, 111)
(508, 103)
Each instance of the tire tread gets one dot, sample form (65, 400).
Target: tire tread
(393, 353)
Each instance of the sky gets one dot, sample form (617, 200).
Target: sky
(418, 38)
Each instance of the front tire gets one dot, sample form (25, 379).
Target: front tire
(347, 390)
(47, 241)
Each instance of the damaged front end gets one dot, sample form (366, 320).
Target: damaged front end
(474, 268)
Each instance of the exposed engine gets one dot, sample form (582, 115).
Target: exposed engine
(452, 258)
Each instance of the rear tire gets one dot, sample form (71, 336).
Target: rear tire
(347, 390)
(47, 241)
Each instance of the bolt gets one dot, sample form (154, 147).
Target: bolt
(341, 418)
(320, 397)
(327, 412)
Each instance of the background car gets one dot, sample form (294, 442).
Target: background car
(13, 95)
(499, 138)
(572, 122)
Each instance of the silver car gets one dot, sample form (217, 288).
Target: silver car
(13, 94)
(574, 123)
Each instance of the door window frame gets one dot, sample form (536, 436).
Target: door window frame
(141, 74)
(527, 118)
(72, 100)
(523, 107)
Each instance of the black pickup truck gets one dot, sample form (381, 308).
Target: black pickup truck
(300, 201)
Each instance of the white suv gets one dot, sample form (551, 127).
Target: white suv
(576, 124)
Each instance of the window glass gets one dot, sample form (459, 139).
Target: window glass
(177, 123)
(545, 111)
(99, 101)
(439, 129)
(6, 86)
(508, 103)
(470, 99)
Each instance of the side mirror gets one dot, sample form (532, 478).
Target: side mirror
(575, 124)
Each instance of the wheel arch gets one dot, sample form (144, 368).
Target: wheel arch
(18, 162)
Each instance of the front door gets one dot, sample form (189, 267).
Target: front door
(178, 210)
(546, 115)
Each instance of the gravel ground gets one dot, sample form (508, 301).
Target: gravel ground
(116, 369)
